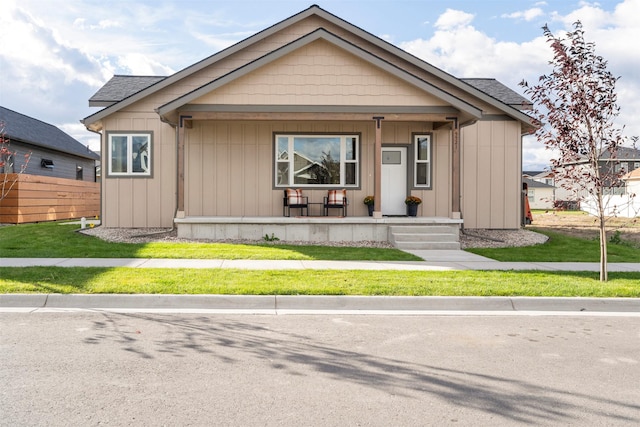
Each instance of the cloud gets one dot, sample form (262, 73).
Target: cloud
(464, 51)
(527, 15)
(141, 65)
(453, 19)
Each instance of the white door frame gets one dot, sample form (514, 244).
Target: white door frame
(394, 179)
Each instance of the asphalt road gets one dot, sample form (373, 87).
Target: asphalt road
(115, 369)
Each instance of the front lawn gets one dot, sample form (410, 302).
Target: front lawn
(562, 248)
(60, 240)
(315, 282)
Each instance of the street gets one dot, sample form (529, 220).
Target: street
(103, 368)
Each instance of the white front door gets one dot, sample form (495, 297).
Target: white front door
(394, 180)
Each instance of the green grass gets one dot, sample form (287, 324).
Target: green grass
(56, 240)
(315, 282)
(562, 248)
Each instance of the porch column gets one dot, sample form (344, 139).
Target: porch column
(377, 170)
(455, 170)
(181, 130)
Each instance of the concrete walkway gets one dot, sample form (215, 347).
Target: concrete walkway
(433, 261)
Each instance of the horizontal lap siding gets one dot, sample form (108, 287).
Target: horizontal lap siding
(36, 198)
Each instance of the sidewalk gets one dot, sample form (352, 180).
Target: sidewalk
(433, 261)
(287, 304)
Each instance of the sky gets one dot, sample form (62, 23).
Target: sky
(54, 54)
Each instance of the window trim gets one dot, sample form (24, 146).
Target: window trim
(343, 161)
(129, 173)
(415, 161)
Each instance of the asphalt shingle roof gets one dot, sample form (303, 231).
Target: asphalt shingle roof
(624, 153)
(502, 93)
(536, 184)
(120, 87)
(19, 127)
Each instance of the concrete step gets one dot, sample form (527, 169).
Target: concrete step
(426, 237)
(417, 229)
(428, 245)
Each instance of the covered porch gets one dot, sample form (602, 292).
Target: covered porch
(402, 232)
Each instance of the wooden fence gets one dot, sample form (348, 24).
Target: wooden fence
(35, 198)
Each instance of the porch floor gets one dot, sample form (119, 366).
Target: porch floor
(426, 231)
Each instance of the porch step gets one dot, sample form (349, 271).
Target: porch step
(425, 237)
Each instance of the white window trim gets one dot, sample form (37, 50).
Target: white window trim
(428, 162)
(130, 172)
(343, 160)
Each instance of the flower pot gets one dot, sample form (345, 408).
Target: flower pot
(412, 210)
(370, 209)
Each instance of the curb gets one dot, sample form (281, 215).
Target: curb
(284, 303)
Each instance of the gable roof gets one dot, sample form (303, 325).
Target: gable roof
(322, 34)
(634, 175)
(25, 129)
(536, 184)
(120, 87)
(311, 11)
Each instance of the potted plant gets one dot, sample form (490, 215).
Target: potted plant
(369, 200)
(412, 203)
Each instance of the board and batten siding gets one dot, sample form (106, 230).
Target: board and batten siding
(141, 202)
(491, 158)
(229, 166)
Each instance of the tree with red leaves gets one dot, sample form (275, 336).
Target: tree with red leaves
(576, 105)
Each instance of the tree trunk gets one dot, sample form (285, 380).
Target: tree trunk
(603, 252)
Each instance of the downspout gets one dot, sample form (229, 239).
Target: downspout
(101, 167)
(175, 126)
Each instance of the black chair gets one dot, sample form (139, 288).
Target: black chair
(336, 199)
(293, 199)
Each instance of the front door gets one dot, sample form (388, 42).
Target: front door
(394, 180)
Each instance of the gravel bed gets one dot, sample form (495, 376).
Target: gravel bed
(477, 238)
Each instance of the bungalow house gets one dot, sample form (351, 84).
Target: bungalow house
(211, 148)
(57, 182)
(540, 194)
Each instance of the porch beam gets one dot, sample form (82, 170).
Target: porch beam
(315, 116)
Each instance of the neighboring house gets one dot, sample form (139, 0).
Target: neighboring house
(53, 152)
(219, 140)
(59, 179)
(632, 182)
(541, 195)
(625, 204)
(626, 160)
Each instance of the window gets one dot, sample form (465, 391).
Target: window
(317, 160)
(129, 154)
(422, 161)
(79, 174)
